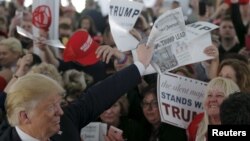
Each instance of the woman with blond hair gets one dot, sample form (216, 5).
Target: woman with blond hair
(10, 51)
(217, 90)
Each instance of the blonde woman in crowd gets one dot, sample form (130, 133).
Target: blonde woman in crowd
(75, 82)
(10, 51)
(217, 90)
(48, 70)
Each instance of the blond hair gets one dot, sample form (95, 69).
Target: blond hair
(48, 70)
(26, 92)
(13, 44)
(229, 87)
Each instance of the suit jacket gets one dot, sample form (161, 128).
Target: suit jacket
(97, 99)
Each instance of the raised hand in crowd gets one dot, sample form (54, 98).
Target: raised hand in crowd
(23, 66)
(211, 65)
(145, 54)
(46, 54)
(245, 52)
(212, 51)
(106, 52)
(219, 11)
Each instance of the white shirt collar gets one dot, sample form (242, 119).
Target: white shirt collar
(24, 136)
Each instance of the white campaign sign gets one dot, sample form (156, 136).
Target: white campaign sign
(122, 17)
(179, 98)
(94, 131)
(44, 11)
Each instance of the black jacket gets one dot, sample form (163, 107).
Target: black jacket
(97, 99)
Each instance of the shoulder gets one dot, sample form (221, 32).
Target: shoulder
(193, 126)
(196, 120)
(171, 132)
(9, 134)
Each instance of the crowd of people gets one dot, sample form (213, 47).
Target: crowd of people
(44, 97)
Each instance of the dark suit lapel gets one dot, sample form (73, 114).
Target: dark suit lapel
(15, 136)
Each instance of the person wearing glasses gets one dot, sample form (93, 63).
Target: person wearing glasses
(155, 129)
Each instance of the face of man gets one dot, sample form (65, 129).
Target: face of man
(227, 30)
(45, 117)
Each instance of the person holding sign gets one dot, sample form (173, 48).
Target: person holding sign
(155, 129)
(217, 90)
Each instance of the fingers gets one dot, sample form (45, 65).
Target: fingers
(108, 57)
(106, 138)
(136, 34)
(211, 51)
(100, 50)
(26, 60)
(145, 54)
(105, 53)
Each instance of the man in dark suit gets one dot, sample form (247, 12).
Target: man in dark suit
(33, 104)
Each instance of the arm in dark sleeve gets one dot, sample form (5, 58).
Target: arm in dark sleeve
(97, 71)
(102, 95)
(2, 100)
(240, 28)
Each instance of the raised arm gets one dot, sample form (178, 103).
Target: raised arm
(102, 95)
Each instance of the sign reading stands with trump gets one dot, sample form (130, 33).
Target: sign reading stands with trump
(179, 99)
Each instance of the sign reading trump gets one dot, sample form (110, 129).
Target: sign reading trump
(180, 99)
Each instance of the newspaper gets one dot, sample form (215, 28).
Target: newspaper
(176, 44)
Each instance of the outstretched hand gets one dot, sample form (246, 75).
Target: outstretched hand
(145, 54)
(212, 51)
(105, 53)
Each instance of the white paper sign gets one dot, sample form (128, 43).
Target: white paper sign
(179, 98)
(198, 29)
(43, 12)
(149, 3)
(54, 43)
(94, 131)
(122, 17)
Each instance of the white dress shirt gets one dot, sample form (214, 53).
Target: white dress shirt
(24, 136)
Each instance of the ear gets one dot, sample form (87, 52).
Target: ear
(23, 117)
